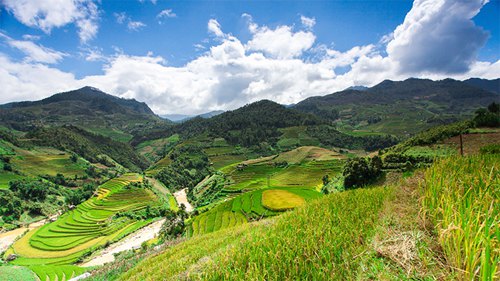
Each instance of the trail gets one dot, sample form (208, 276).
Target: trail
(181, 198)
(132, 241)
(9, 237)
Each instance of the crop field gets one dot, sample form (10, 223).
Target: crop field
(431, 151)
(60, 272)
(152, 149)
(281, 200)
(250, 206)
(83, 229)
(335, 228)
(6, 177)
(295, 136)
(307, 174)
(461, 197)
(473, 142)
(42, 161)
(16, 273)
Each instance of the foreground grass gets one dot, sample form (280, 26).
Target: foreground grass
(320, 241)
(461, 197)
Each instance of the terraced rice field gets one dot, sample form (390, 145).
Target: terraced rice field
(83, 229)
(62, 272)
(263, 175)
(249, 206)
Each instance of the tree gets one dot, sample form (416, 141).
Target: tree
(361, 171)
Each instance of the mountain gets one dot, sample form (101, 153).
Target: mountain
(248, 125)
(400, 107)
(182, 117)
(358, 88)
(87, 107)
(488, 85)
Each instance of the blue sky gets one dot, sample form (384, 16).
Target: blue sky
(195, 56)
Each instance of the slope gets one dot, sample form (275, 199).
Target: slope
(400, 107)
(86, 107)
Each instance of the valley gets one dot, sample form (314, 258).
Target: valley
(322, 185)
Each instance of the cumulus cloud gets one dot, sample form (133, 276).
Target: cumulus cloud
(135, 25)
(281, 42)
(50, 14)
(34, 52)
(270, 65)
(214, 28)
(438, 36)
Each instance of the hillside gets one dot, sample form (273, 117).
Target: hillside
(87, 107)
(400, 107)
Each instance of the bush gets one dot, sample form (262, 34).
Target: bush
(361, 171)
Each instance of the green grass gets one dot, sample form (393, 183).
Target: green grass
(85, 228)
(59, 272)
(16, 273)
(320, 241)
(431, 151)
(461, 197)
(6, 177)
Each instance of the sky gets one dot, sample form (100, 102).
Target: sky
(191, 57)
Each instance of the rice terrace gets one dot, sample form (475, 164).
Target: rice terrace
(249, 140)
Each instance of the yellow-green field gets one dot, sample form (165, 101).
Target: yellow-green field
(77, 232)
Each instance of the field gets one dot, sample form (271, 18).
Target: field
(85, 228)
(262, 175)
(16, 273)
(250, 206)
(473, 142)
(46, 161)
(61, 272)
(6, 177)
(316, 242)
(294, 137)
(152, 149)
(461, 197)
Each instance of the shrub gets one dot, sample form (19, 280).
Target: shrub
(361, 171)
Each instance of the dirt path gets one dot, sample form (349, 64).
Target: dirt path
(132, 241)
(7, 238)
(181, 198)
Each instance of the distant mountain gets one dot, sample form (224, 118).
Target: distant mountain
(358, 88)
(488, 85)
(87, 107)
(181, 117)
(400, 107)
(176, 117)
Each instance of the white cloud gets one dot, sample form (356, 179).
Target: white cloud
(34, 52)
(135, 25)
(31, 37)
(122, 18)
(438, 36)
(49, 14)
(231, 73)
(307, 22)
(167, 13)
(214, 28)
(282, 42)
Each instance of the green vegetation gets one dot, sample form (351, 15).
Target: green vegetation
(461, 198)
(317, 241)
(61, 272)
(88, 145)
(94, 223)
(16, 273)
(250, 206)
(359, 172)
(488, 117)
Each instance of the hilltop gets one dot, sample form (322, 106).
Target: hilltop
(87, 107)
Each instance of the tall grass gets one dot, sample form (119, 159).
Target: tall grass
(324, 240)
(461, 198)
